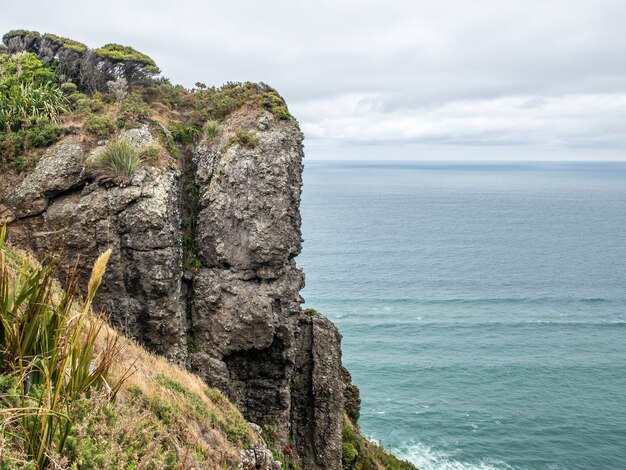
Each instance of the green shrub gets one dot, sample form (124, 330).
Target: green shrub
(120, 158)
(43, 133)
(25, 67)
(244, 138)
(26, 103)
(217, 103)
(184, 134)
(211, 128)
(276, 105)
(171, 95)
(19, 32)
(65, 42)
(359, 453)
(133, 110)
(126, 54)
(349, 456)
(101, 126)
(84, 104)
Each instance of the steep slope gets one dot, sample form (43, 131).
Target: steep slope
(161, 417)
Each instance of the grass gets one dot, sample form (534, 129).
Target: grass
(211, 128)
(47, 344)
(119, 157)
(159, 416)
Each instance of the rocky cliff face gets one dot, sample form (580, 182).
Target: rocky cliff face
(236, 320)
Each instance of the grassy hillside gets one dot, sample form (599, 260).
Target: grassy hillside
(143, 413)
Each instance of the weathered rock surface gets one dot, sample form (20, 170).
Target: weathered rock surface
(236, 321)
(57, 208)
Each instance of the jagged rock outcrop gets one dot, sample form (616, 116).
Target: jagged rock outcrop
(237, 320)
(58, 208)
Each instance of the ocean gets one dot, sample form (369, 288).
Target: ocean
(482, 306)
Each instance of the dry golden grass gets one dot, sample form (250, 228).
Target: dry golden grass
(161, 417)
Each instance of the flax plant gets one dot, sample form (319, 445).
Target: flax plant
(47, 342)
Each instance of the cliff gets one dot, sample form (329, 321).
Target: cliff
(204, 234)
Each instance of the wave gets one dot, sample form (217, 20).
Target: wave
(427, 458)
(462, 300)
(478, 325)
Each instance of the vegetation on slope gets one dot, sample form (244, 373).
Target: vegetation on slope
(74, 394)
(104, 90)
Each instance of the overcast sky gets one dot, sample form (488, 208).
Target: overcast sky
(453, 79)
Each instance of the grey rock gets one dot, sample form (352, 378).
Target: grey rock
(60, 170)
(258, 458)
(139, 137)
(237, 322)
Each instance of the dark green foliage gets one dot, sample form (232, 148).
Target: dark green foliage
(41, 134)
(244, 138)
(352, 397)
(30, 106)
(133, 110)
(191, 260)
(17, 147)
(65, 42)
(101, 126)
(183, 134)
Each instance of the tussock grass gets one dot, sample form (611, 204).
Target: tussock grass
(120, 158)
(211, 128)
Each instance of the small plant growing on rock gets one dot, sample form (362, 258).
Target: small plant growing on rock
(184, 134)
(244, 138)
(120, 158)
(211, 128)
(151, 155)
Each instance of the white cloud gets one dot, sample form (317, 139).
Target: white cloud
(444, 72)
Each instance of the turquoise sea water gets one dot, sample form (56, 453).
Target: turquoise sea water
(482, 307)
